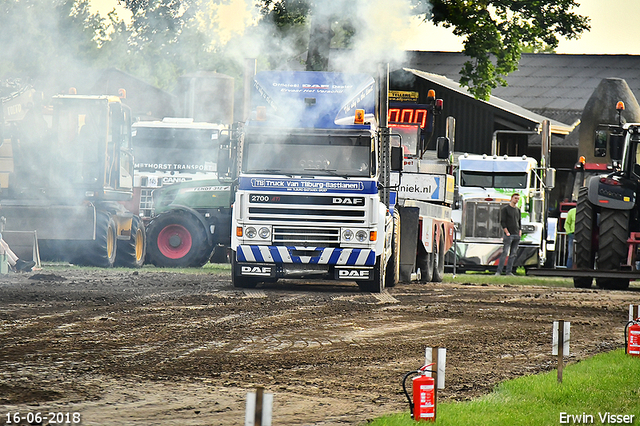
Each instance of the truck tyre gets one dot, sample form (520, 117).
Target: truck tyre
(585, 225)
(131, 253)
(177, 239)
(424, 261)
(393, 268)
(377, 284)
(100, 252)
(438, 259)
(612, 251)
(237, 280)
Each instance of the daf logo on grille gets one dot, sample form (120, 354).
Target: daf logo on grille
(352, 201)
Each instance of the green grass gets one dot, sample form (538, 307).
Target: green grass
(208, 269)
(518, 279)
(608, 382)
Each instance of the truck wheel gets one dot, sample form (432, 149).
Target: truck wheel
(177, 239)
(100, 252)
(131, 252)
(438, 259)
(612, 251)
(424, 261)
(237, 280)
(377, 284)
(585, 225)
(393, 267)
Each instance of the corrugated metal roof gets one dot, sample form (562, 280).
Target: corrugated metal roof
(536, 119)
(570, 78)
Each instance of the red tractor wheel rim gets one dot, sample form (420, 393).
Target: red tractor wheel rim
(174, 241)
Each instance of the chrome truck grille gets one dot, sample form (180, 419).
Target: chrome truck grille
(307, 220)
(481, 219)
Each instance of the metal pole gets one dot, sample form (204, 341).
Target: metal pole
(383, 131)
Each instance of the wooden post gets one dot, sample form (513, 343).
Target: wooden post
(634, 312)
(560, 349)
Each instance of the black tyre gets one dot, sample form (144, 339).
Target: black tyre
(393, 268)
(612, 251)
(424, 261)
(377, 284)
(100, 252)
(237, 280)
(177, 239)
(584, 253)
(131, 253)
(438, 259)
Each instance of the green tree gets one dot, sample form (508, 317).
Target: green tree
(43, 37)
(495, 32)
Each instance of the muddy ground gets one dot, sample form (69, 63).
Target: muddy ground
(125, 347)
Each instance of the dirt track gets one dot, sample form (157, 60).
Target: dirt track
(148, 348)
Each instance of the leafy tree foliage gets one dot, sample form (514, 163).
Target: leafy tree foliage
(41, 36)
(496, 31)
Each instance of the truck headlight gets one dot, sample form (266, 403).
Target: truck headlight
(528, 228)
(347, 235)
(250, 232)
(361, 236)
(264, 232)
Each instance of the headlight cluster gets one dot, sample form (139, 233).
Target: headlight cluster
(359, 236)
(251, 232)
(528, 228)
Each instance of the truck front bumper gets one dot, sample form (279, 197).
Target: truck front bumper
(316, 262)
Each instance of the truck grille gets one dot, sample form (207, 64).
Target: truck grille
(307, 220)
(306, 236)
(481, 219)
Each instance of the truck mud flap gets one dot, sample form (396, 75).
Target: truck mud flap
(262, 270)
(409, 223)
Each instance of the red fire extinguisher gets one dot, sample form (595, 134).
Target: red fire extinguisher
(423, 406)
(632, 337)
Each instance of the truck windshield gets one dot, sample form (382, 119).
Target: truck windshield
(175, 149)
(312, 153)
(493, 180)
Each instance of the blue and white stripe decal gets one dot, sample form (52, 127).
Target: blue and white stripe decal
(351, 186)
(328, 255)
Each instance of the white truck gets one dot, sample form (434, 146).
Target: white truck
(314, 196)
(485, 184)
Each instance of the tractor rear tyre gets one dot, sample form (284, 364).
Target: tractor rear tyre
(177, 239)
(131, 253)
(585, 226)
(100, 252)
(438, 259)
(612, 251)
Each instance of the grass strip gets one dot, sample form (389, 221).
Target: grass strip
(600, 390)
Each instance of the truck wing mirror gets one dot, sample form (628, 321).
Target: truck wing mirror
(616, 144)
(397, 158)
(442, 146)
